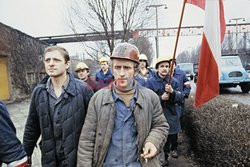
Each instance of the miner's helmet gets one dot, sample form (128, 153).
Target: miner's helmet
(103, 59)
(143, 57)
(126, 51)
(81, 66)
(162, 59)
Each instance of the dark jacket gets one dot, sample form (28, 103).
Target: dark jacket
(11, 148)
(157, 84)
(91, 84)
(96, 134)
(151, 72)
(180, 75)
(104, 79)
(74, 106)
(140, 80)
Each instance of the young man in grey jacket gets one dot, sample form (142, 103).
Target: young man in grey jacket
(124, 125)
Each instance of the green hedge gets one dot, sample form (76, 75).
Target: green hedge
(219, 132)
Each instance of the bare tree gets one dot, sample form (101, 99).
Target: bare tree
(228, 44)
(244, 41)
(195, 55)
(183, 57)
(145, 47)
(108, 16)
(189, 57)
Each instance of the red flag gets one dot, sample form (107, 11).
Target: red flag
(207, 86)
(200, 3)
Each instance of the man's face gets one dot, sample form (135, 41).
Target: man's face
(55, 64)
(163, 69)
(104, 66)
(82, 74)
(123, 71)
(143, 63)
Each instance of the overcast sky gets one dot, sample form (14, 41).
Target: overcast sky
(49, 17)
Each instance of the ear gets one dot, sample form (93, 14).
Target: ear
(111, 68)
(68, 64)
(136, 71)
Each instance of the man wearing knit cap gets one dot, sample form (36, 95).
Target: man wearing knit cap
(124, 125)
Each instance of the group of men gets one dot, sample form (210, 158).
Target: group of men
(102, 78)
(132, 121)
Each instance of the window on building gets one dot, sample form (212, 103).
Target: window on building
(31, 78)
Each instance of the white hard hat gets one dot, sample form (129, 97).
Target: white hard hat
(103, 59)
(162, 59)
(143, 57)
(81, 66)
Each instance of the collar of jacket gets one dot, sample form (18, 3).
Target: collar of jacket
(158, 78)
(107, 92)
(71, 88)
(177, 71)
(108, 72)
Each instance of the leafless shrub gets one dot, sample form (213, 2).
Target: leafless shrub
(220, 133)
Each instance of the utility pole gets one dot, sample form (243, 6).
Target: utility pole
(236, 22)
(157, 28)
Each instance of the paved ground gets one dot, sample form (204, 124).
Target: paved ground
(19, 112)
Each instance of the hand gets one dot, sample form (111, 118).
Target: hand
(187, 84)
(169, 89)
(165, 96)
(186, 96)
(149, 151)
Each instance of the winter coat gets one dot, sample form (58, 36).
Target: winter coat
(157, 84)
(95, 137)
(104, 79)
(180, 75)
(140, 80)
(73, 107)
(11, 148)
(91, 84)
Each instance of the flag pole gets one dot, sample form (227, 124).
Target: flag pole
(176, 42)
